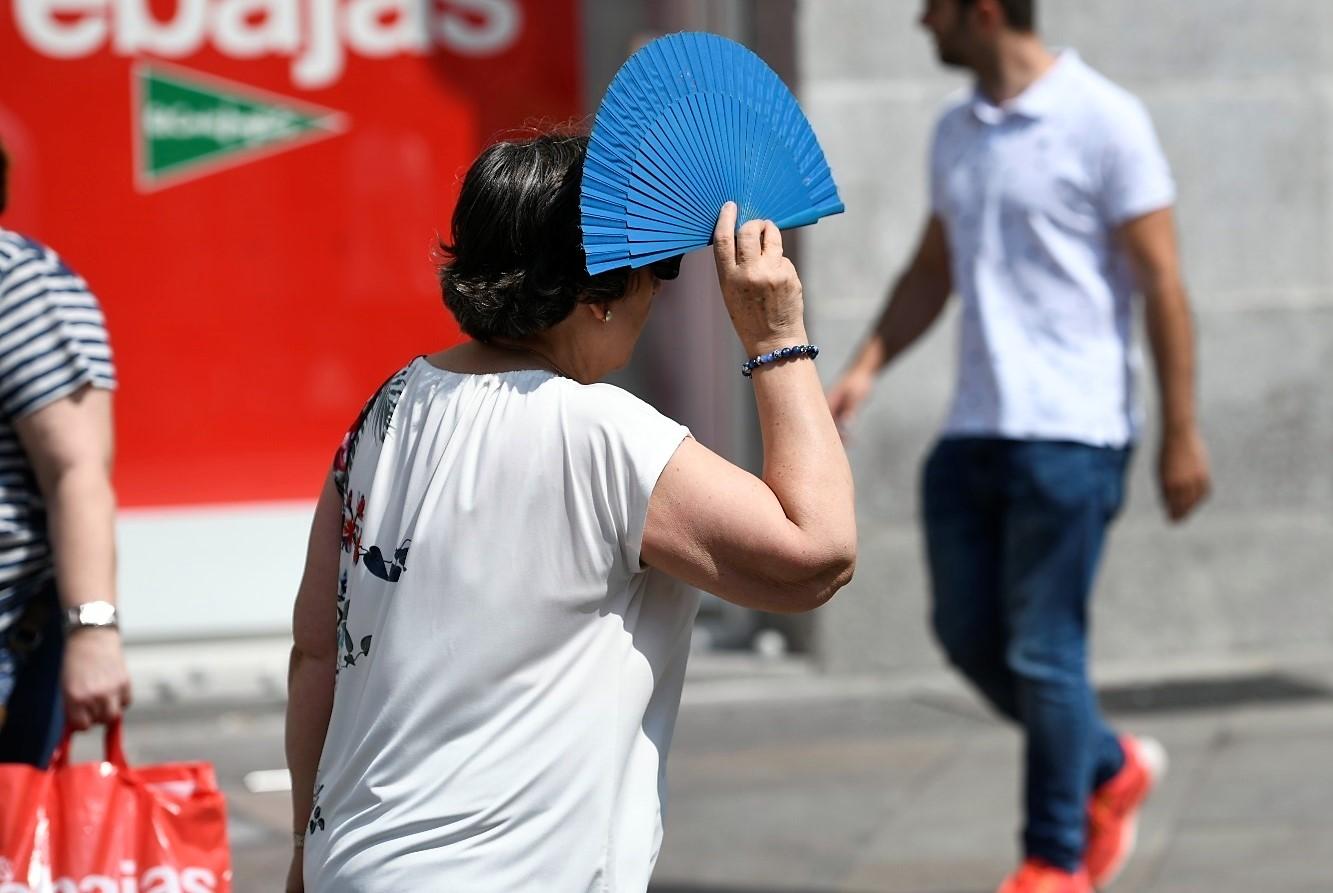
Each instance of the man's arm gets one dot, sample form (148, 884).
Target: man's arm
(1150, 241)
(69, 445)
(914, 303)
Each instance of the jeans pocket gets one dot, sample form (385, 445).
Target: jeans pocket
(1115, 472)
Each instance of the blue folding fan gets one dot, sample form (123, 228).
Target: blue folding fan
(691, 122)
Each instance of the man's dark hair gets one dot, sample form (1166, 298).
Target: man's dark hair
(4, 179)
(515, 264)
(1021, 15)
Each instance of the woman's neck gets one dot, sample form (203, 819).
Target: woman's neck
(484, 358)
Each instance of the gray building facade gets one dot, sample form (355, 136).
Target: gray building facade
(1242, 96)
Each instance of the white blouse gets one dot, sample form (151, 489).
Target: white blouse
(509, 673)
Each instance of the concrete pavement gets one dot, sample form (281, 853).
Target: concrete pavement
(784, 780)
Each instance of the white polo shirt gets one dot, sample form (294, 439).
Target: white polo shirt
(1031, 194)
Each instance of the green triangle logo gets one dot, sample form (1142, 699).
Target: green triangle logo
(189, 124)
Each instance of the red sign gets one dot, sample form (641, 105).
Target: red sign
(253, 188)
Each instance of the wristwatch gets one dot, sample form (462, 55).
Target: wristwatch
(91, 615)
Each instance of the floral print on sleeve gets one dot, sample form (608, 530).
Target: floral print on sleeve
(353, 523)
(376, 416)
(350, 651)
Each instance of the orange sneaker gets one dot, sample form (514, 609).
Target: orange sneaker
(1036, 876)
(1113, 809)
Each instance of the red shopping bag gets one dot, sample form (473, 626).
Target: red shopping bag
(111, 828)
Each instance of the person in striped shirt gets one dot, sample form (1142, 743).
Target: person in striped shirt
(60, 653)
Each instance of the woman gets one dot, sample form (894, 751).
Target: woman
(492, 628)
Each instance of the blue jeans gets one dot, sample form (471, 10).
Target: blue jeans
(32, 651)
(1014, 530)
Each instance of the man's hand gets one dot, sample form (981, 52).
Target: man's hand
(846, 397)
(1182, 465)
(94, 678)
(1182, 469)
(916, 300)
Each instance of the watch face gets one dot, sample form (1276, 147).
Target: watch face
(97, 614)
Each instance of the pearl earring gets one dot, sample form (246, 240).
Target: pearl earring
(607, 318)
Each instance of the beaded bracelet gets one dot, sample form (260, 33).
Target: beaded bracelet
(785, 353)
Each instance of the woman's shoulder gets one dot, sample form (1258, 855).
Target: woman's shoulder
(616, 434)
(609, 404)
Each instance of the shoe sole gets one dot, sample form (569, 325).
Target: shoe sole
(1155, 761)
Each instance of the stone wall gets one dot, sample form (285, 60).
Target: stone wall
(1242, 95)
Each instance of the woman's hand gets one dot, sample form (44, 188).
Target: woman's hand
(94, 678)
(759, 284)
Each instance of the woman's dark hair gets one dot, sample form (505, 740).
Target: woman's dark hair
(515, 264)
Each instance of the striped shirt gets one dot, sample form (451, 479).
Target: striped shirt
(53, 341)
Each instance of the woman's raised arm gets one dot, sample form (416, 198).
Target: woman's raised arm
(785, 541)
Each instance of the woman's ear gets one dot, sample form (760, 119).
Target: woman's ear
(600, 312)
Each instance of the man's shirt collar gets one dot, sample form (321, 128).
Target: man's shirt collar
(1042, 97)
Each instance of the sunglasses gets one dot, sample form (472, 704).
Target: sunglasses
(666, 270)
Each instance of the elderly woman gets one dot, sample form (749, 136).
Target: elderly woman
(492, 628)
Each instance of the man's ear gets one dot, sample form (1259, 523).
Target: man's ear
(990, 15)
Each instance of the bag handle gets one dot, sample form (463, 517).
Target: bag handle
(113, 747)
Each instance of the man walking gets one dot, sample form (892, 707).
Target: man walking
(60, 653)
(1050, 207)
